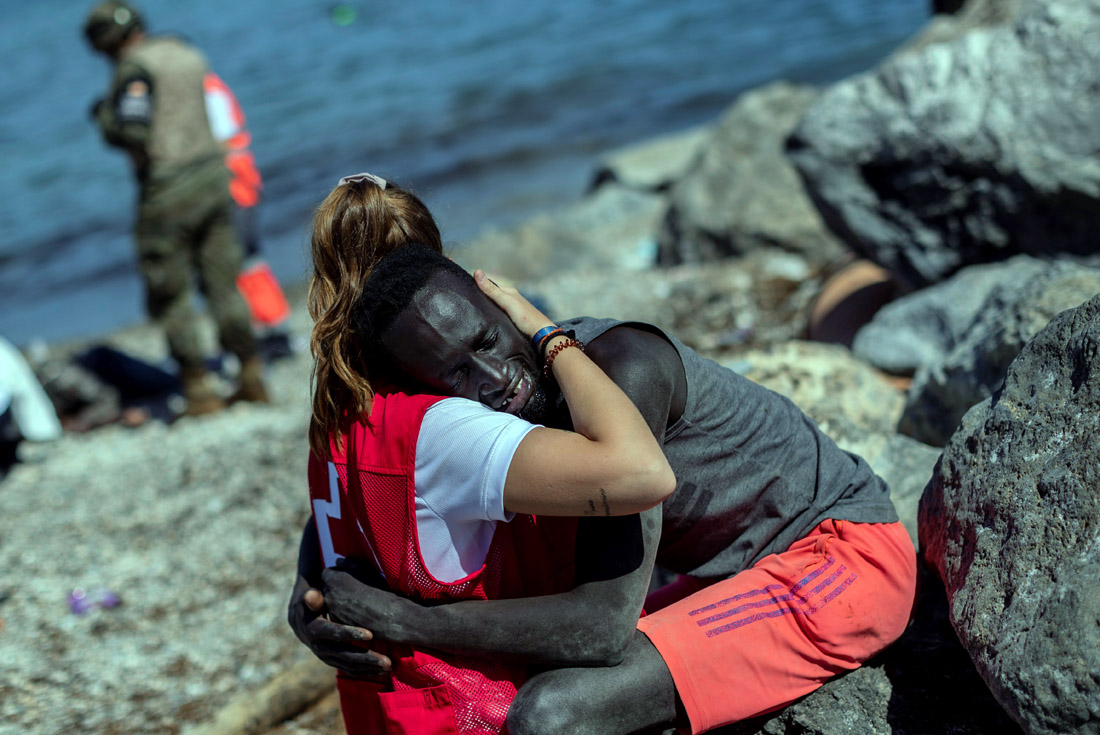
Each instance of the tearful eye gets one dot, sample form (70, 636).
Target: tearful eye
(459, 376)
(488, 341)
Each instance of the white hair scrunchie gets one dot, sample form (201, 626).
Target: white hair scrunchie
(377, 180)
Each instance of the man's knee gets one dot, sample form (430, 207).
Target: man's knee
(544, 708)
(637, 694)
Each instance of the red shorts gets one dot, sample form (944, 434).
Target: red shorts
(747, 645)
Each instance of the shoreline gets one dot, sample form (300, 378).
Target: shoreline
(651, 161)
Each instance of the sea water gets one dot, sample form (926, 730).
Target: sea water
(490, 109)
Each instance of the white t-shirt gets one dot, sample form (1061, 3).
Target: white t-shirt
(462, 458)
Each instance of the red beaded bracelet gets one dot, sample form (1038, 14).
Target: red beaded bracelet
(558, 348)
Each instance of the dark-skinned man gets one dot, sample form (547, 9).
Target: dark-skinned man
(794, 566)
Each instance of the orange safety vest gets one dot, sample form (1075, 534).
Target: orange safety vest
(245, 183)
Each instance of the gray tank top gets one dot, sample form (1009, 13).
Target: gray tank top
(754, 474)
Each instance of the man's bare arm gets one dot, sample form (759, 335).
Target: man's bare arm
(590, 625)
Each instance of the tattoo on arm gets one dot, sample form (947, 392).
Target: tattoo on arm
(591, 509)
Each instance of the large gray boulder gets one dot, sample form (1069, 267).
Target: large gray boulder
(742, 192)
(1011, 523)
(614, 228)
(967, 151)
(760, 299)
(921, 328)
(653, 165)
(974, 368)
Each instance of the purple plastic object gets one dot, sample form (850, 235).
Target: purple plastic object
(81, 601)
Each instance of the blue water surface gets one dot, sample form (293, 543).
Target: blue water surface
(491, 109)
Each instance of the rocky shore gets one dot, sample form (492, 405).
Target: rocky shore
(908, 254)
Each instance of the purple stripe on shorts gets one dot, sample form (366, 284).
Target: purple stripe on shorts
(829, 561)
(837, 590)
(832, 578)
(735, 598)
(775, 600)
(801, 609)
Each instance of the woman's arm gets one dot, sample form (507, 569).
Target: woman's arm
(610, 464)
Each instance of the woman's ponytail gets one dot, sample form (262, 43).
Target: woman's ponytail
(359, 223)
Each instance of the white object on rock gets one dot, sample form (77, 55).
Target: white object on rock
(30, 406)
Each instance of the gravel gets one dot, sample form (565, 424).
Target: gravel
(193, 526)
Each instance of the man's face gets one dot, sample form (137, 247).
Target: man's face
(452, 340)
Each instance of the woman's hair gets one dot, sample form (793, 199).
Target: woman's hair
(356, 226)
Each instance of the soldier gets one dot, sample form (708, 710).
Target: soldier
(155, 111)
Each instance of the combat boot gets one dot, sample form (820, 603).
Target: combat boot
(252, 386)
(200, 395)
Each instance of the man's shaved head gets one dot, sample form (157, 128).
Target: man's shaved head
(390, 289)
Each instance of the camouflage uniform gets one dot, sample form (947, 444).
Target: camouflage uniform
(155, 110)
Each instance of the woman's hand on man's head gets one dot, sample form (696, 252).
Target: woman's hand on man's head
(522, 312)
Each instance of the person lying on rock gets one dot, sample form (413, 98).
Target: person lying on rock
(431, 489)
(794, 567)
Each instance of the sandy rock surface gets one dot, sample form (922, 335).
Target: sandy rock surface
(194, 526)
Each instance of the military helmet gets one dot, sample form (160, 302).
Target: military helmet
(109, 24)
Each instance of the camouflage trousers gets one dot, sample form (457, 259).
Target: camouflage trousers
(182, 235)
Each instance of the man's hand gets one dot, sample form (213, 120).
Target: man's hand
(343, 647)
(352, 601)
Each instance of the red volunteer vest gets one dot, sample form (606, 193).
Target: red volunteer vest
(363, 505)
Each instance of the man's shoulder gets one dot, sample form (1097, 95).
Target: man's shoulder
(167, 40)
(129, 67)
(592, 329)
(616, 341)
(642, 360)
